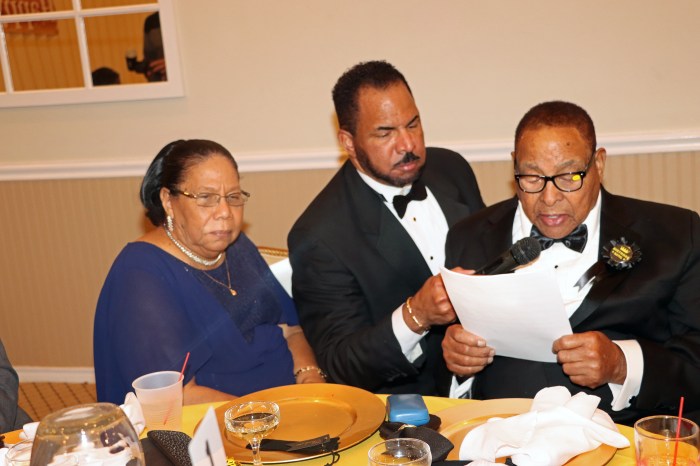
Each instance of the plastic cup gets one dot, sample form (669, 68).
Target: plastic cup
(160, 395)
(408, 451)
(656, 441)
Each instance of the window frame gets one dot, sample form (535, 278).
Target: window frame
(173, 87)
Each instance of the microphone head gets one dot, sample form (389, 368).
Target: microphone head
(526, 250)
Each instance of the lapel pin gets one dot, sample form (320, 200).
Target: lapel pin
(621, 255)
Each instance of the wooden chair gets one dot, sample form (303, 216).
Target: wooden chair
(278, 260)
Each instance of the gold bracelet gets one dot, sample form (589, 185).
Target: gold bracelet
(413, 316)
(310, 368)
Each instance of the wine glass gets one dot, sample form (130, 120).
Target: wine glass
(408, 451)
(253, 421)
(19, 454)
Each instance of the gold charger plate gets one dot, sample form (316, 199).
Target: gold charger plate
(459, 420)
(308, 411)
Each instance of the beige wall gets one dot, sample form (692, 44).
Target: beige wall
(257, 78)
(258, 74)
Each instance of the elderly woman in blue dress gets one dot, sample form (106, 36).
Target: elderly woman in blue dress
(197, 284)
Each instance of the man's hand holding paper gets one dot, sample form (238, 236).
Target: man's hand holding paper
(591, 359)
(518, 315)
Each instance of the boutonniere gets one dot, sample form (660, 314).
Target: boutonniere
(620, 255)
(617, 255)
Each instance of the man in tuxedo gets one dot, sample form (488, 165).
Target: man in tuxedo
(628, 271)
(364, 258)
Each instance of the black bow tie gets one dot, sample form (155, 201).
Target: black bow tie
(417, 193)
(576, 240)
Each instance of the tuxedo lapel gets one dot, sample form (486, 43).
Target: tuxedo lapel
(447, 195)
(452, 209)
(614, 225)
(498, 236)
(399, 250)
(391, 240)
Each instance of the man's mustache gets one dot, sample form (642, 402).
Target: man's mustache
(407, 158)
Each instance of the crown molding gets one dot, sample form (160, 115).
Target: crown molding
(618, 144)
(247, 162)
(485, 151)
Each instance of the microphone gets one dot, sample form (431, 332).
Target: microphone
(522, 252)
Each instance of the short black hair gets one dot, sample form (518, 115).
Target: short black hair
(168, 169)
(377, 74)
(558, 113)
(105, 76)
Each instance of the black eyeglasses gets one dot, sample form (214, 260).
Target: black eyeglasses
(212, 199)
(566, 182)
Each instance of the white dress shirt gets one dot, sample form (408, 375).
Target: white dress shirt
(426, 224)
(568, 267)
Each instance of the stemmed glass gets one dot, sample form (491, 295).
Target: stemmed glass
(253, 421)
(19, 454)
(408, 451)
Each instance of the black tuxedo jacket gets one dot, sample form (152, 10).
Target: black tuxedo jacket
(656, 302)
(354, 264)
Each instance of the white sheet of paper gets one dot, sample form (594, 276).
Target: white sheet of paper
(206, 447)
(519, 315)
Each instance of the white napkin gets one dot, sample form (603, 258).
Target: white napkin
(131, 407)
(557, 428)
(29, 430)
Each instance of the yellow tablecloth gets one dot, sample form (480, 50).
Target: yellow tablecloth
(357, 455)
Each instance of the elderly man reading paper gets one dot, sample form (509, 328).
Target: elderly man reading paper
(628, 272)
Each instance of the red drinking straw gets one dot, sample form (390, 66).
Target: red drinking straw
(182, 372)
(187, 358)
(678, 431)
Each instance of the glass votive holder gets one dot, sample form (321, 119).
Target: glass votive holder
(97, 433)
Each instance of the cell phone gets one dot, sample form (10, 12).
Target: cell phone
(407, 408)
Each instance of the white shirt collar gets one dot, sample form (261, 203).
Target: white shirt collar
(522, 225)
(385, 190)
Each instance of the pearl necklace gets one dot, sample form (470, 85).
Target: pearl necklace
(190, 254)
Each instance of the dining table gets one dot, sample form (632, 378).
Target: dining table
(357, 454)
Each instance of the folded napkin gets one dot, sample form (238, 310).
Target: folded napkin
(452, 463)
(169, 443)
(557, 428)
(131, 407)
(29, 430)
(133, 411)
(439, 445)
